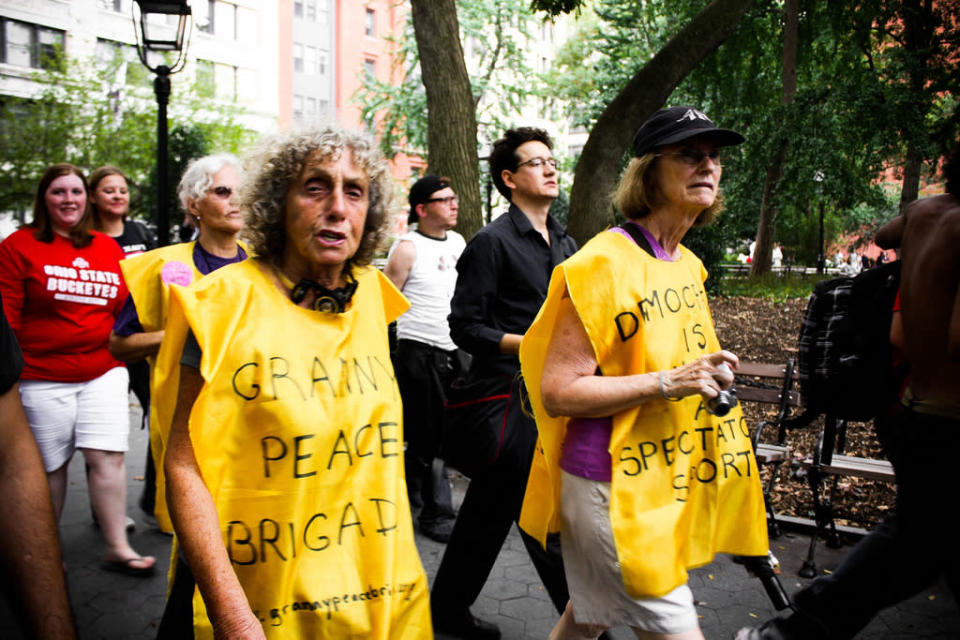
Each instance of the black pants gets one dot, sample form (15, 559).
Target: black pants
(177, 620)
(491, 506)
(423, 372)
(907, 552)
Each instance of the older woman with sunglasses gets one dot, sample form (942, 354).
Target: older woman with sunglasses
(208, 193)
(640, 470)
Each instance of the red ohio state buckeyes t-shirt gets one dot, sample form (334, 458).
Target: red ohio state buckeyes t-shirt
(61, 302)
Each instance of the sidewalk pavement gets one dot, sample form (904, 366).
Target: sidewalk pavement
(110, 606)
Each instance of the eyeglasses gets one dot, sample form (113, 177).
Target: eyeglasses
(693, 157)
(221, 191)
(538, 162)
(449, 200)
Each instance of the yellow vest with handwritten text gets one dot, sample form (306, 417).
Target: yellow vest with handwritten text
(684, 482)
(298, 435)
(148, 277)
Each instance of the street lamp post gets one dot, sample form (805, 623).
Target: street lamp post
(818, 177)
(154, 35)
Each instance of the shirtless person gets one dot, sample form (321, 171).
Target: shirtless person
(911, 549)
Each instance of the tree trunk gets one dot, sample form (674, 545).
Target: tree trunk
(451, 117)
(597, 170)
(766, 227)
(918, 24)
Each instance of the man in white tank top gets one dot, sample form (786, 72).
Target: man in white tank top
(422, 263)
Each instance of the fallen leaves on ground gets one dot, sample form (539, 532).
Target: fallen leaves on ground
(759, 330)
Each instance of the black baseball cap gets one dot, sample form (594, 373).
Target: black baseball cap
(676, 124)
(421, 191)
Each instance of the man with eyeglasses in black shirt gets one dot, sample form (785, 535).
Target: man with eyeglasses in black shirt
(502, 280)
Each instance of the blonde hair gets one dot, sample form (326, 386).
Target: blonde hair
(638, 192)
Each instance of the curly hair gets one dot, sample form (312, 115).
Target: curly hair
(638, 192)
(80, 235)
(503, 154)
(279, 160)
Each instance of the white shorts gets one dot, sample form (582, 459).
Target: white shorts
(592, 567)
(66, 416)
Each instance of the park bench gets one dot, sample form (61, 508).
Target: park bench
(769, 384)
(772, 385)
(829, 463)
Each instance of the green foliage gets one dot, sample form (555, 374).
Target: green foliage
(708, 244)
(771, 286)
(90, 114)
(495, 32)
(852, 116)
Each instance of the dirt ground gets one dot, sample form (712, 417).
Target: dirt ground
(763, 331)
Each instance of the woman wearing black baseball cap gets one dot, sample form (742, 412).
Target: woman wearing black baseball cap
(639, 470)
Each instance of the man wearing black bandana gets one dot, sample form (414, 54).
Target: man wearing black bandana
(422, 264)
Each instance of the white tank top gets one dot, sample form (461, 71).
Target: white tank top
(429, 288)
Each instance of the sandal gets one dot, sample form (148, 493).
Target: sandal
(125, 567)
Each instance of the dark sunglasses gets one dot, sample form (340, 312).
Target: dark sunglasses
(222, 192)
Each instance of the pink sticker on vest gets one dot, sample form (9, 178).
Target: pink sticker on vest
(176, 272)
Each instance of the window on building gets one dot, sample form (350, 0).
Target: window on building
(246, 26)
(370, 23)
(322, 62)
(311, 108)
(203, 15)
(298, 8)
(225, 18)
(297, 107)
(323, 13)
(122, 60)
(222, 19)
(206, 85)
(323, 109)
(29, 45)
(297, 57)
(111, 5)
(370, 68)
(311, 10)
(225, 77)
(310, 60)
(247, 86)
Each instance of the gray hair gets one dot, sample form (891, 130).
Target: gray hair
(199, 176)
(278, 161)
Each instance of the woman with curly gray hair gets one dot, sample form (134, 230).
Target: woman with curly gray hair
(284, 464)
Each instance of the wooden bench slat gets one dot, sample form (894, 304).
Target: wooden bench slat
(761, 369)
(855, 466)
(767, 453)
(769, 396)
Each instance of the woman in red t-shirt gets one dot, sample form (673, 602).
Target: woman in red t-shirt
(62, 287)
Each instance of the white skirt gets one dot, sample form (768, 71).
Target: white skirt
(592, 567)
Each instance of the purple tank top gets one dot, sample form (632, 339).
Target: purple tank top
(584, 452)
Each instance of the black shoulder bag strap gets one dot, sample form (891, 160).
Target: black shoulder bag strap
(638, 237)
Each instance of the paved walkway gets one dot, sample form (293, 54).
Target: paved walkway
(109, 606)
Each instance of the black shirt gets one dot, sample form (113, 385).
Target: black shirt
(135, 239)
(502, 279)
(11, 358)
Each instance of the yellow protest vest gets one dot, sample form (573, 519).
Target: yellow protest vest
(684, 483)
(298, 435)
(148, 277)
